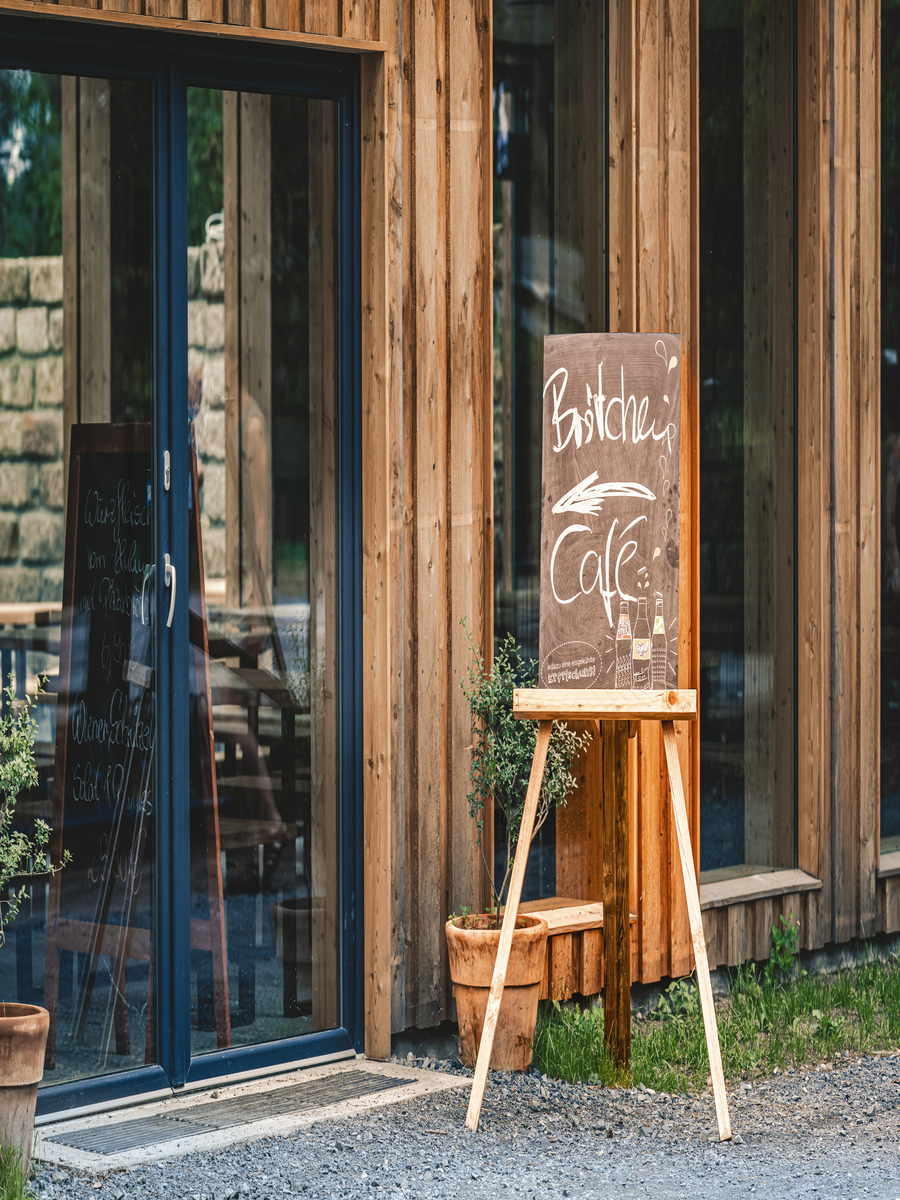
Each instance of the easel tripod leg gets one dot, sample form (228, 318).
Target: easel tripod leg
(696, 920)
(495, 996)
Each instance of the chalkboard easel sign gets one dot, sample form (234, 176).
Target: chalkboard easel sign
(609, 635)
(104, 789)
(609, 517)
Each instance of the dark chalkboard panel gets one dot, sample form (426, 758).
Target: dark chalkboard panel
(103, 783)
(103, 799)
(609, 514)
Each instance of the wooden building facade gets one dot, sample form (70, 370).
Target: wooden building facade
(627, 193)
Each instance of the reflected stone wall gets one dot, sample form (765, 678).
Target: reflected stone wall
(31, 418)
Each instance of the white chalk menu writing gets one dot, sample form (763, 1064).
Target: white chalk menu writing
(105, 730)
(609, 516)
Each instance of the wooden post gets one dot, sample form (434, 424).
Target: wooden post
(616, 917)
(509, 924)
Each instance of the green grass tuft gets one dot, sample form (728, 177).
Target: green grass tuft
(14, 1183)
(771, 1019)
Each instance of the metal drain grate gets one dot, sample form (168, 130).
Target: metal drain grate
(134, 1134)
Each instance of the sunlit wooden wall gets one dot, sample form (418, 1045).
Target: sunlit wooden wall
(427, 353)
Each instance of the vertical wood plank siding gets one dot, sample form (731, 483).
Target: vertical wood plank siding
(427, 429)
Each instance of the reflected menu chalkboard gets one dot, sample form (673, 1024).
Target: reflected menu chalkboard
(103, 785)
(609, 514)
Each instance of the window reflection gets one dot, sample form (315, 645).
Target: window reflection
(550, 276)
(262, 392)
(76, 343)
(747, 523)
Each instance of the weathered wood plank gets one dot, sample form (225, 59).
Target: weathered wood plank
(652, 844)
(813, 450)
(400, 492)
(845, 509)
(429, 395)
(623, 258)
(94, 261)
(868, 404)
(407, 594)
(591, 962)
(199, 10)
(579, 824)
(242, 19)
(612, 704)
(322, 16)
(747, 888)
(378, 657)
(564, 969)
(469, 405)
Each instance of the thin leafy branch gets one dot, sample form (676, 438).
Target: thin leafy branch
(23, 856)
(503, 749)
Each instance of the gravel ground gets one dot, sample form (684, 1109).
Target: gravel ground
(827, 1132)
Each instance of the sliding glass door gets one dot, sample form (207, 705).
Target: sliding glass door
(178, 551)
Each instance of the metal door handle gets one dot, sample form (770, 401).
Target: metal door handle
(170, 582)
(148, 571)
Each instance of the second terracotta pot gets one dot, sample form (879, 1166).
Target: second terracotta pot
(473, 953)
(23, 1038)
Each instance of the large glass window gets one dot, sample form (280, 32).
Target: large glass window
(550, 276)
(262, 395)
(179, 560)
(76, 550)
(747, 445)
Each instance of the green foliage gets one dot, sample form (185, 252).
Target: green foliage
(22, 855)
(503, 749)
(31, 198)
(205, 186)
(785, 946)
(31, 195)
(14, 1183)
(763, 1026)
(680, 999)
(568, 1044)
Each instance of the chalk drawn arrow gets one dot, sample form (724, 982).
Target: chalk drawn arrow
(588, 495)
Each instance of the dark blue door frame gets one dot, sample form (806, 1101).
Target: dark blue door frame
(172, 62)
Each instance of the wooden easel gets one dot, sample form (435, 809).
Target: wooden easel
(620, 711)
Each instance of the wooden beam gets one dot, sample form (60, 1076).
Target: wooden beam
(378, 657)
(612, 704)
(239, 25)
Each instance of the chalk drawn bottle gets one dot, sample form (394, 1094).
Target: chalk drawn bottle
(640, 652)
(623, 647)
(659, 649)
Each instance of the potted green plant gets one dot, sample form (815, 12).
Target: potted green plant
(502, 753)
(23, 1027)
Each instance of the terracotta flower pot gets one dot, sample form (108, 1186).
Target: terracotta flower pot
(23, 1038)
(473, 953)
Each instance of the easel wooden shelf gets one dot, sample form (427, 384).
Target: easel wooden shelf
(620, 711)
